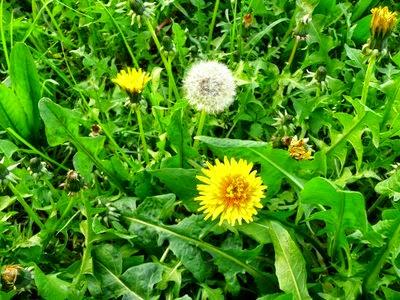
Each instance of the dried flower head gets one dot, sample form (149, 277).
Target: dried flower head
(210, 86)
(95, 130)
(16, 277)
(230, 190)
(73, 182)
(247, 20)
(132, 81)
(299, 149)
(10, 273)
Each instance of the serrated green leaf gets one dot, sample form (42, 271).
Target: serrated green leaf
(390, 187)
(50, 287)
(173, 233)
(353, 128)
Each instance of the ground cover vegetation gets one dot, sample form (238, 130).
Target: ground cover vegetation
(192, 149)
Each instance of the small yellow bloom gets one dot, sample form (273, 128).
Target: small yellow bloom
(382, 21)
(230, 190)
(299, 149)
(133, 81)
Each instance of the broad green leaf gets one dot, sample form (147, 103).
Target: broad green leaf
(112, 285)
(142, 278)
(110, 256)
(62, 124)
(51, 287)
(257, 230)
(7, 148)
(345, 211)
(179, 137)
(158, 207)
(289, 262)
(81, 162)
(25, 83)
(12, 113)
(182, 182)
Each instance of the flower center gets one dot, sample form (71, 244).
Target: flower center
(209, 87)
(235, 191)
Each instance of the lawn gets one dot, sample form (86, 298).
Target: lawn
(193, 149)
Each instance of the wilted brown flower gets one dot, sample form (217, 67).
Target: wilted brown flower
(247, 20)
(299, 149)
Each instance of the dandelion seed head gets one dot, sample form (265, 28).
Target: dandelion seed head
(210, 86)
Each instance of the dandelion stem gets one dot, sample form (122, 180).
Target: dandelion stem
(291, 57)
(32, 215)
(202, 121)
(367, 79)
(212, 25)
(164, 60)
(233, 31)
(141, 131)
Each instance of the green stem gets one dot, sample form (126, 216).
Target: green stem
(142, 135)
(34, 150)
(292, 54)
(367, 79)
(32, 215)
(233, 31)
(212, 25)
(199, 131)
(164, 60)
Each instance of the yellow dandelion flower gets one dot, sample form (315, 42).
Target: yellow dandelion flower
(230, 190)
(299, 149)
(132, 80)
(383, 21)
